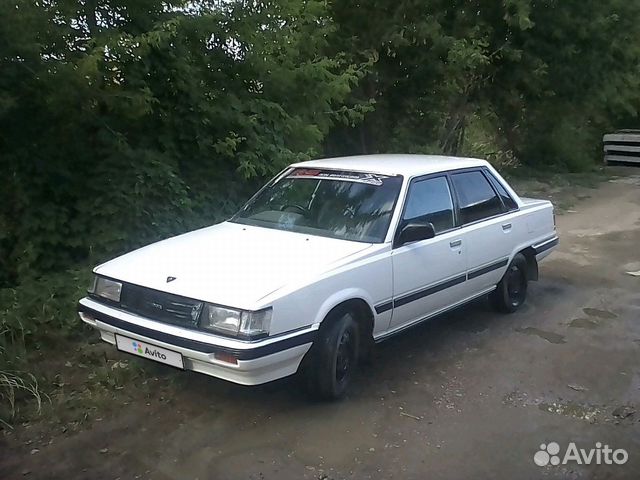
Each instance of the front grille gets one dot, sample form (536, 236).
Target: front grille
(161, 306)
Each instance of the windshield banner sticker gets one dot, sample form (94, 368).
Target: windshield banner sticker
(368, 178)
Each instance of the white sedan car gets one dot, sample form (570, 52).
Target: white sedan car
(328, 258)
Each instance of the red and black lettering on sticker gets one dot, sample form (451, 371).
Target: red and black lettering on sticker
(368, 178)
(305, 172)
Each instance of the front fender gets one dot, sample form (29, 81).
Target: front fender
(340, 297)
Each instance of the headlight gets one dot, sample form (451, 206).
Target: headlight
(238, 323)
(109, 289)
(221, 319)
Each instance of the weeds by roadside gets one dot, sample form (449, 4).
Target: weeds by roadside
(14, 383)
(54, 369)
(35, 317)
(79, 383)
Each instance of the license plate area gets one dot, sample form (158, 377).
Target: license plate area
(150, 351)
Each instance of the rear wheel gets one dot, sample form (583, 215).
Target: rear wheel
(333, 359)
(511, 292)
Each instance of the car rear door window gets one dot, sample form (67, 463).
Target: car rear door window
(477, 199)
(429, 200)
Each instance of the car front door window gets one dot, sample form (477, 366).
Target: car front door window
(429, 200)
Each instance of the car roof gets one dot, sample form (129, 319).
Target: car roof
(398, 164)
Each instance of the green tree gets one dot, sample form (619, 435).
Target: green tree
(576, 79)
(546, 77)
(122, 122)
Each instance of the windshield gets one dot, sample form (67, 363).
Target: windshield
(347, 205)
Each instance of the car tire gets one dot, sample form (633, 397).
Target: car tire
(511, 292)
(333, 358)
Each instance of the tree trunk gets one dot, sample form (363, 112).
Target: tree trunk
(453, 135)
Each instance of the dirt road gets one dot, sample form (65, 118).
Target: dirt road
(470, 395)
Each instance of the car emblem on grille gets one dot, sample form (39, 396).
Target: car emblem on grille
(170, 279)
(156, 305)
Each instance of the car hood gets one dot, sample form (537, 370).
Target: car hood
(230, 264)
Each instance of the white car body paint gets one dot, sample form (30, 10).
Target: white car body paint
(303, 277)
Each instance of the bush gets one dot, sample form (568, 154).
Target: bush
(39, 310)
(38, 314)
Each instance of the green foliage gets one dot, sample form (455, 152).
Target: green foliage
(552, 76)
(153, 120)
(575, 79)
(123, 122)
(34, 317)
(34, 313)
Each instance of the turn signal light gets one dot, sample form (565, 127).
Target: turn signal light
(226, 357)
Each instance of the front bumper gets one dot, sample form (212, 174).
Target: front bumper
(256, 362)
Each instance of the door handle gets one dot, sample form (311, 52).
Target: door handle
(455, 243)
(506, 227)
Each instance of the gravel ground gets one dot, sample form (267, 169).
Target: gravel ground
(472, 394)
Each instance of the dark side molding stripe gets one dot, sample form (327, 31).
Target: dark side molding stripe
(412, 297)
(489, 268)
(241, 354)
(383, 307)
(543, 247)
(398, 302)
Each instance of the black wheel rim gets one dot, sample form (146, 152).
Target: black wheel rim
(344, 359)
(516, 286)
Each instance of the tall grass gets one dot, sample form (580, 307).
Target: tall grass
(34, 315)
(12, 385)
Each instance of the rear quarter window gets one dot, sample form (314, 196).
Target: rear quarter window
(509, 202)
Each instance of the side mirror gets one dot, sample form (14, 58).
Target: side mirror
(415, 231)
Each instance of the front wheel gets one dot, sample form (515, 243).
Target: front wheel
(333, 358)
(511, 292)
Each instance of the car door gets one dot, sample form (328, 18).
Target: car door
(428, 275)
(487, 228)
